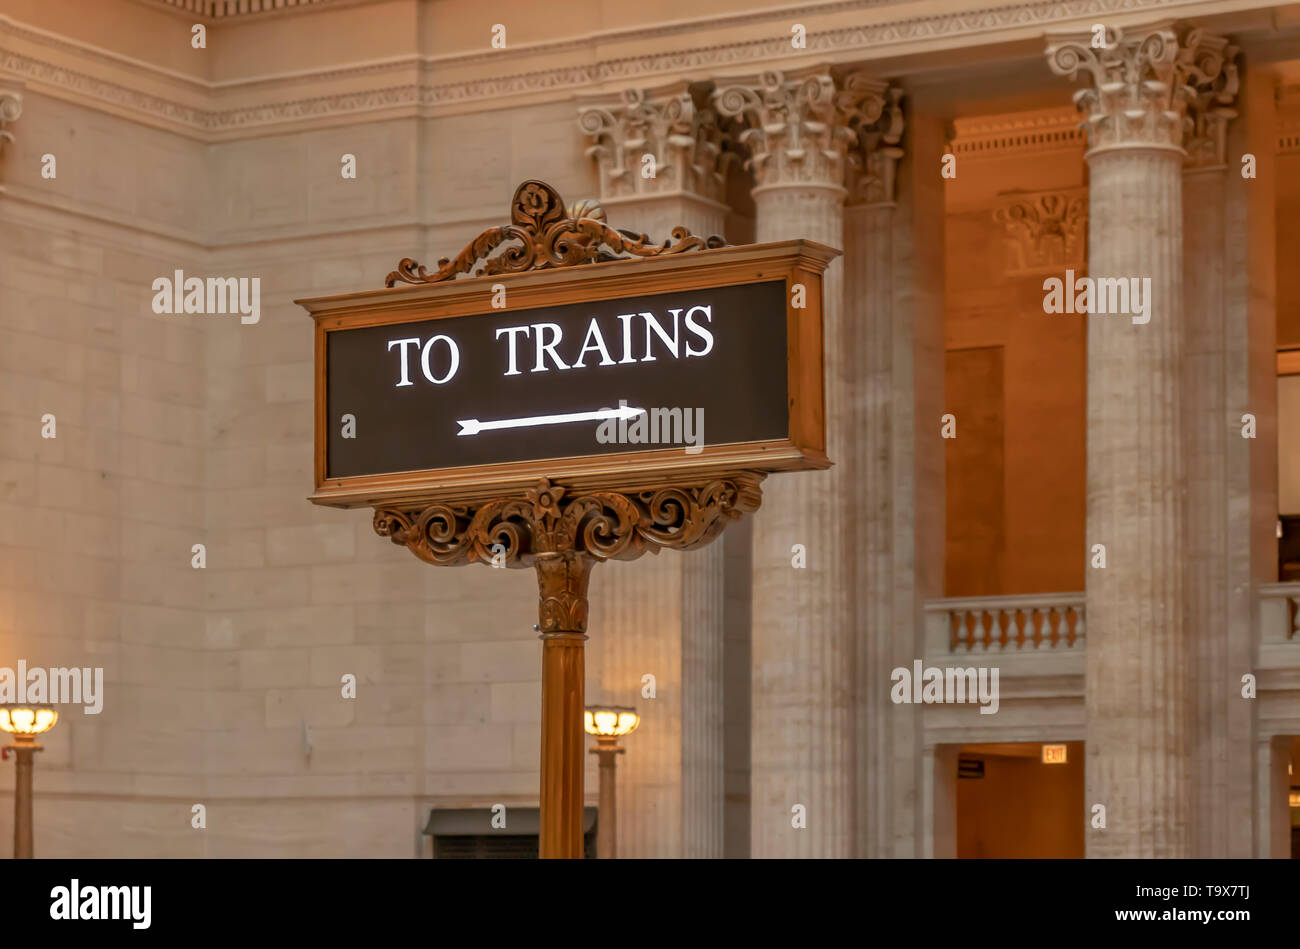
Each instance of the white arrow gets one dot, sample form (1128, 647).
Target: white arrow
(472, 426)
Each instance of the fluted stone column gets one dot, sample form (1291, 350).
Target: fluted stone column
(665, 616)
(893, 299)
(1250, 357)
(1140, 715)
(1209, 435)
(1228, 371)
(803, 750)
(868, 303)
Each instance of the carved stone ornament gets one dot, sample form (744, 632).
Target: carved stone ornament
(874, 114)
(1145, 81)
(679, 130)
(543, 234)
(1211, 110)
(563, 536)
(1046, 231)
(798, 130)
(11, 107)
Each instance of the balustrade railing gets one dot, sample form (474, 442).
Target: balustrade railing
(1000, 624)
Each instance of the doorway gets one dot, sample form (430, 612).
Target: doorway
(1020, 800)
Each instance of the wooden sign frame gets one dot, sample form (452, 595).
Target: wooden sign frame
(795, 262)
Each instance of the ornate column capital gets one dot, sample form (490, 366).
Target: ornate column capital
(11, 107)
(677, 126)
(798, 127)
(1154, 86)
(874, 114)
(1211, 109)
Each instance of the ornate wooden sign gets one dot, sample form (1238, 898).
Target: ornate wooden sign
(567, 405)
(690, 359)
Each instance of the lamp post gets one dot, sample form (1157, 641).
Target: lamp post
(608, 723)
(25, 724)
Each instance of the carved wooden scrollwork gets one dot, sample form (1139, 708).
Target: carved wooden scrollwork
(546, 235)
(563, 537)
(605, 525)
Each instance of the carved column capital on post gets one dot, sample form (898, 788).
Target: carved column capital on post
(874, 113)
(562, 593)
(1148, 84)
(659, 141)
(798, 130)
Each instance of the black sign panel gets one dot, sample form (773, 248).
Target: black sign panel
(574, 380)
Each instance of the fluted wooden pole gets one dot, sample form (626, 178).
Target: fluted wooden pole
(562, 578)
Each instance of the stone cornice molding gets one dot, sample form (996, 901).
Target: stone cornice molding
(689, 147)
(1046, 231)
(418, 91)
(797, 126)
(875, 115)
(228, 9)
(1288, 136)
(996, 136)
(1147, 85)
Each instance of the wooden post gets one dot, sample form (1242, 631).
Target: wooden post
(562, 621)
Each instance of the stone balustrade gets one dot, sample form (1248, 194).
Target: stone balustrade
(1002, 624)
(1277, 621)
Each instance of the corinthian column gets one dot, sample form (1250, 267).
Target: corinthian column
(803, 652)
(1140, 715)
(1228, 371)
(663, 160)
(893, 241)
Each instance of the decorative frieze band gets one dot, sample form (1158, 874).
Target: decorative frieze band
(1045, 231)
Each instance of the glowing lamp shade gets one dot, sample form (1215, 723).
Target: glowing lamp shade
(611, 721)
(27, 721)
